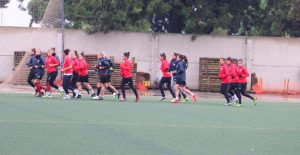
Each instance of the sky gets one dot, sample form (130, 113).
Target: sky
(13, 16)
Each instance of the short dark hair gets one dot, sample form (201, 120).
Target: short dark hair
(82, 54)
(127, 54)
(229, 59)
(33, 50)
(163, 55)
(66, 51)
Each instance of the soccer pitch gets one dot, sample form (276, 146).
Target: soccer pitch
(31, 125)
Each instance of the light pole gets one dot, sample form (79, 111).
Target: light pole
(1, 16)
(62, 27)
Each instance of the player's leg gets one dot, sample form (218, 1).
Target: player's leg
(38, 85)
(98, 97)
(168, 82)
(122, 86)
(160, 86)
(224, 90)
(185, 90)
(130, 83)
(103, 89)
(112, 89)
(30, 78)
(116, 93)
(85, 81)
(73, 84)
(238, 93)
(52, 78)
(177, 93)
(243, 88)
(66, 83)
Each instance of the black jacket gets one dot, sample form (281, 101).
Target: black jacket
(180, 71)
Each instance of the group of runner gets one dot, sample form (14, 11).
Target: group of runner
(75, 73)
(233, 81)
(175, 70)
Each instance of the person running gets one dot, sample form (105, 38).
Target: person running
(56, 56)
(243, 74)
(234, 88)
(173, 83)
(225, 81)
(110, 87)
(51, 67)
(126, 73)
(166, 78)
(180, 71)
(31, 74)
(84, 76)
(38, 68)
(102, 67)
(75, 75)
(67, 71)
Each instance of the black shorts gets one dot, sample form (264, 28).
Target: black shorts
(243, 87)
(39, 75)
(84, 78)
(103, 79)
(52, 76)
(108, 78)
(224, 88)
(234, 85)
(181, 83)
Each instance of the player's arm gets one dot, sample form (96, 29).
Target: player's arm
(246, 73)
(54, 62)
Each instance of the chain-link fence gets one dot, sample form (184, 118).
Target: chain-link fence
(32, 14)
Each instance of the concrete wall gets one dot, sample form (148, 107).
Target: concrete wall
(273, 59)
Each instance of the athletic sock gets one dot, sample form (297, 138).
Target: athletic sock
(98, 91)
(87, 90)
(110, 89)
(48, 88)
(92, 91)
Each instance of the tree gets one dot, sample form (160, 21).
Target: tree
(166, 16)
(293, 19)
(106, 15)
(36, 9)
(3, 3)
(226, 17)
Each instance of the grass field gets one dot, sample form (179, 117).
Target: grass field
(30, 125)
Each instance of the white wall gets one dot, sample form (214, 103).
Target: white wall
(273, 59)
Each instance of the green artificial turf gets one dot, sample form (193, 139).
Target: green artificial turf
(31, 125)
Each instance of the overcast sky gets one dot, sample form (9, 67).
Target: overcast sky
(13, 16)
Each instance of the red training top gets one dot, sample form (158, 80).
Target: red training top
(126, 69)
(243, 74)
(164, 68)
(75, 65)
(233, 73)
(83, 66)
(224, 74)
(51, 60)
(67, 63)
